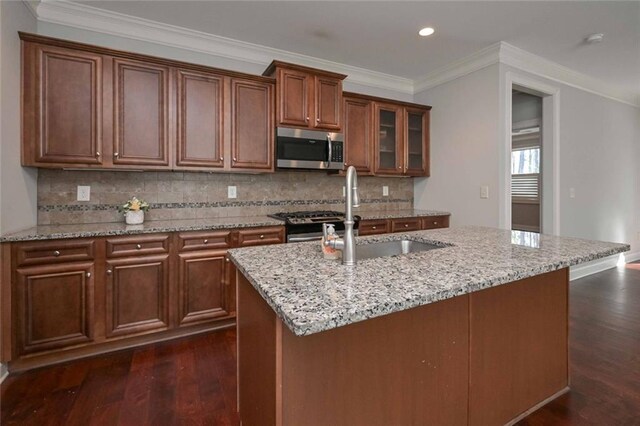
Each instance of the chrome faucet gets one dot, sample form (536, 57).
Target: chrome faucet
(347, 244)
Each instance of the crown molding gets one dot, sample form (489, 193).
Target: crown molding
(541, 67)
(32, 6)
(476, 61)
(90, 18)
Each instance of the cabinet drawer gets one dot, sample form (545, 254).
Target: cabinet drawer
(433, 222)
(260, 236)
(204, 240)
(39, 252)
(373, 227)
(408, 224)
(137, 245)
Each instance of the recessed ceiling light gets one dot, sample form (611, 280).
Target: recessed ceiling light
(426, 31)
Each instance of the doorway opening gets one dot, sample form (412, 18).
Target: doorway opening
(526, 161)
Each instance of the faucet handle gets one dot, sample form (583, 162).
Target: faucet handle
(325, 232)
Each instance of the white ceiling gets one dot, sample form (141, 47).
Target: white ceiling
(382, 36)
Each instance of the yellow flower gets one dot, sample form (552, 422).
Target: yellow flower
(135, 205)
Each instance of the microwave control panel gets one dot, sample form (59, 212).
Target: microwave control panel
(337, 153)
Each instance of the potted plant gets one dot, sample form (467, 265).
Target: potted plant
(134, 211)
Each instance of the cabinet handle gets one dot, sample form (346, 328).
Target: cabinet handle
(262, 236)
(406, 225)
(435, 223)
(374, 227)
(109, 271)
(138, 246)
(206, 241)
(115, 154)
(56, 253)
(88, 274)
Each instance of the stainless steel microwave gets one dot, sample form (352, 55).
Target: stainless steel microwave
(309, 149)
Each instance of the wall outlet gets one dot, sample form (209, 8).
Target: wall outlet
(84, 193)
(484, 191)
(232, 192)
(572, 193)
(385, 191)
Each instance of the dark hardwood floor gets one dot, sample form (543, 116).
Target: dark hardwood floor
(192, 381)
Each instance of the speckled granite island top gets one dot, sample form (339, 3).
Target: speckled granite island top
(311, 294)
(397, 214)
(53, 232)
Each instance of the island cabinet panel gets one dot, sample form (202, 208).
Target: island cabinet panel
(141, 113)
(406, 224)
(373, 227)
(203, 283)
(137, 295)
(519, 351)
(55, 306)
(358, 134)
(62, 106)
(434, 222)
(200, 138)
(383, 226)
(252, 130)
(410, 367)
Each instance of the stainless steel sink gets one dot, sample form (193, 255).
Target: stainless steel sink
(391, 248)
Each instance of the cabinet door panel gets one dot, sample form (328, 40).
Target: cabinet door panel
(293, 97)
(141, 113)
(328, 95)
(69, 85)
(389, 139)
(252, 129)
(203, 282)
(200, 119)
(417, 142)
(137, 295)
(357, 134)
(55, 306)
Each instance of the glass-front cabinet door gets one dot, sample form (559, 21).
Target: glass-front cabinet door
(389, 139)
(416, 161)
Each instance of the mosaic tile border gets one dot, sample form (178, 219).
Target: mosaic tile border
(219, 204)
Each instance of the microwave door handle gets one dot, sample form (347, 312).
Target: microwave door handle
(330, 150)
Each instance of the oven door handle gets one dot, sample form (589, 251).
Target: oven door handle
(301, 239)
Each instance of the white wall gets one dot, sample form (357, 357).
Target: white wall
(17, 184)
(121, 43)
(464, 148)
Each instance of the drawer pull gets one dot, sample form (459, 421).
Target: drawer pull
(138, 246)
(435, 223)
(262, 236)
(88, 274)
(374, 227)
(109, 272)
(56, 253)
(226, 259)
(406, 225)
(205, 241)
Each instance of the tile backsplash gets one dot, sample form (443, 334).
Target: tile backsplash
(187, 195)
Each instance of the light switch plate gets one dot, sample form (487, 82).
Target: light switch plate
(84, 193)
(572, 193)
(232, 192)
(385, 191)
(484, 191)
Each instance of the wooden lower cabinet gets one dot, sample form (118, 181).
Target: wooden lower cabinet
(137, 295)
(54, 306)
(407, 224)
(203, 284)
(64, 299)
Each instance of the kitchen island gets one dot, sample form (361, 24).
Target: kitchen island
(472, 332)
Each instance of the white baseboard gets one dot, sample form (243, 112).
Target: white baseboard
(600, 265)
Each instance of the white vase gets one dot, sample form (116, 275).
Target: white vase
(134, 217)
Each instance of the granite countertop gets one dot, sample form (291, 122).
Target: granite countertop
(52, 232)
(397, 214)
(311, 294)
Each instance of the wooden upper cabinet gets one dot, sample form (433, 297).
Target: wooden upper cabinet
(62, 106)
(358, 134)
(141, 113)
(416, 127)
(307, 97)
(388, 139)
(200, 112)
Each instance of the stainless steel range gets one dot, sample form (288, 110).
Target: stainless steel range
(307, 225)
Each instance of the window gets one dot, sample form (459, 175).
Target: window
(525, 174)
(525, 161)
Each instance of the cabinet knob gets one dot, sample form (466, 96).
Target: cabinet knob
(88, 274)
(115, 154)
(400, 167)
(262, 236)
(56, 253)
(317, 120)
(221, 158)
(109, 271)
(235, 159)
(374, 227)
(435, 223)
(97, 153)
(226, 259)
(206, 241)
(138, 246)
(307, 118)
(406, 225)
